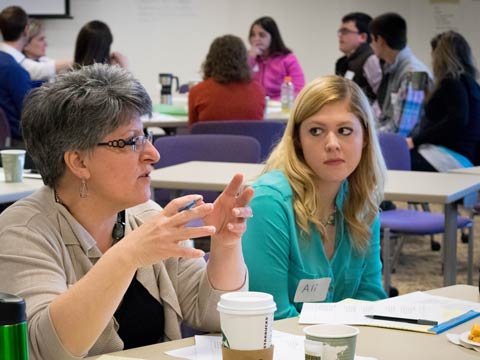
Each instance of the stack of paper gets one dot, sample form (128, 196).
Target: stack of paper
(418, 305)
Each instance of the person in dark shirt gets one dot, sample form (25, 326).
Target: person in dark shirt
(449, 134)
(15, 81)
(359, 63)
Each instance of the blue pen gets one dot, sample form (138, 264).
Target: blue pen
(189, 205)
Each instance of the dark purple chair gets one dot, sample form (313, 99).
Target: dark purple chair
(5, 134)
(402, 222)
(209, 147)
(266, 132)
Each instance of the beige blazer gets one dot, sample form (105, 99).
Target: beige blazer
(44, 250)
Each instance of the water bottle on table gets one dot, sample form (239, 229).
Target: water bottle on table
(287, 94)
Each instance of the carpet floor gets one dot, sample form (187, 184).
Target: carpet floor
(420, 268)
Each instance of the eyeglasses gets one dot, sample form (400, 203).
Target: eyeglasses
(345, 31)
(137, 143)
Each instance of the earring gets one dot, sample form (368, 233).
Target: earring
(83, 189)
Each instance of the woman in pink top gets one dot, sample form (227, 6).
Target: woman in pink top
(270, 60)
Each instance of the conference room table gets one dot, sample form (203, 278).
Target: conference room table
(475, 170)
(379, 343)
(10, 192)
(446, 189)
(178, 119)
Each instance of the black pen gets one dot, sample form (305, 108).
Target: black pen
(406, 320)
(189, 205)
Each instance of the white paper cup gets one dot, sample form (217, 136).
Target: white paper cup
(246, 319)
(12, 162)
(330, 342)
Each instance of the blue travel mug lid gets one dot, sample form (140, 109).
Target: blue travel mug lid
(12, 309)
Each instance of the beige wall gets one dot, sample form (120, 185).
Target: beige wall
(174, 35)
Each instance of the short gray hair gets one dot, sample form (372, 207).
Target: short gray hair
(76, 112)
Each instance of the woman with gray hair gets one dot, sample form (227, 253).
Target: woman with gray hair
(35, 62)
(100, 266)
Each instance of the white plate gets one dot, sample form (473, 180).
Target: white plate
(464, 339)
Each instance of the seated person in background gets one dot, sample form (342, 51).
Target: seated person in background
(15, 81)
(270, 60)
(227, 92)
(451, 126)
(93, 46)
(316, 205)
(389, 42)
(359, 64)
(100, 266)
(38, 66)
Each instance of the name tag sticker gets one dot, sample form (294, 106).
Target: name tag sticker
(349, 75)
(312, 290)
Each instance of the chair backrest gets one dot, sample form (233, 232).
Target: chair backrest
(5, 133)
(395, 151)
(206, 147)
(266, 132)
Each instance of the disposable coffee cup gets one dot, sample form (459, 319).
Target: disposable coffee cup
(246, 320)
(12, 162)
(330, 342)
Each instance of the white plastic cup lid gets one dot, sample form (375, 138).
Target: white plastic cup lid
(246, 303)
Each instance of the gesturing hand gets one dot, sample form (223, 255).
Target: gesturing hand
(230, 212)
(160, 236)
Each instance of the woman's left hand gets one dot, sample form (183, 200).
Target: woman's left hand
(230, 213)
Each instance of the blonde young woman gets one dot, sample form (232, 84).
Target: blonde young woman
(315, 235)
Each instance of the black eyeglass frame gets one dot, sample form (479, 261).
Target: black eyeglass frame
(344, 31)
(121, 143)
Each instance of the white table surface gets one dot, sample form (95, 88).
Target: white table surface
(471, 170)
(383, 344)
(10, 192)
(442, 188)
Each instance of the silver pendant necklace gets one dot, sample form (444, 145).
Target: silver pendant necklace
(330, 219)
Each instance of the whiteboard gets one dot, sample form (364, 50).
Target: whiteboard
(42, 8)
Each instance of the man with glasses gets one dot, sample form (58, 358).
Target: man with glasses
(359, 63)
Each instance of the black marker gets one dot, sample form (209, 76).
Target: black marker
(406, 320)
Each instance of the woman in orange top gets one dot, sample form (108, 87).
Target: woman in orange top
(227, 92)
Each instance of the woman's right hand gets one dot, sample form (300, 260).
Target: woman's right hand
(255, 51)
(160, 236)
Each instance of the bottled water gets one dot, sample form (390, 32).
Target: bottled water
(287, 94)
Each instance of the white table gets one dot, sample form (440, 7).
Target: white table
(383, 344)
(442, 188)
(174, 122)
(10, 192)
(471, 170)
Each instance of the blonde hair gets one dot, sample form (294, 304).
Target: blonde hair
(452, 56)
(35, 27)
(365, 183)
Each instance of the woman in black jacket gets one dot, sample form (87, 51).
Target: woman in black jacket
(449, 134)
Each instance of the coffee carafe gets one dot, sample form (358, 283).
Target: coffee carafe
(13, 328)
(166, 81)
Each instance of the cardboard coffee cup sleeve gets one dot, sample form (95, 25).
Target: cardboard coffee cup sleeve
(263, 354)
